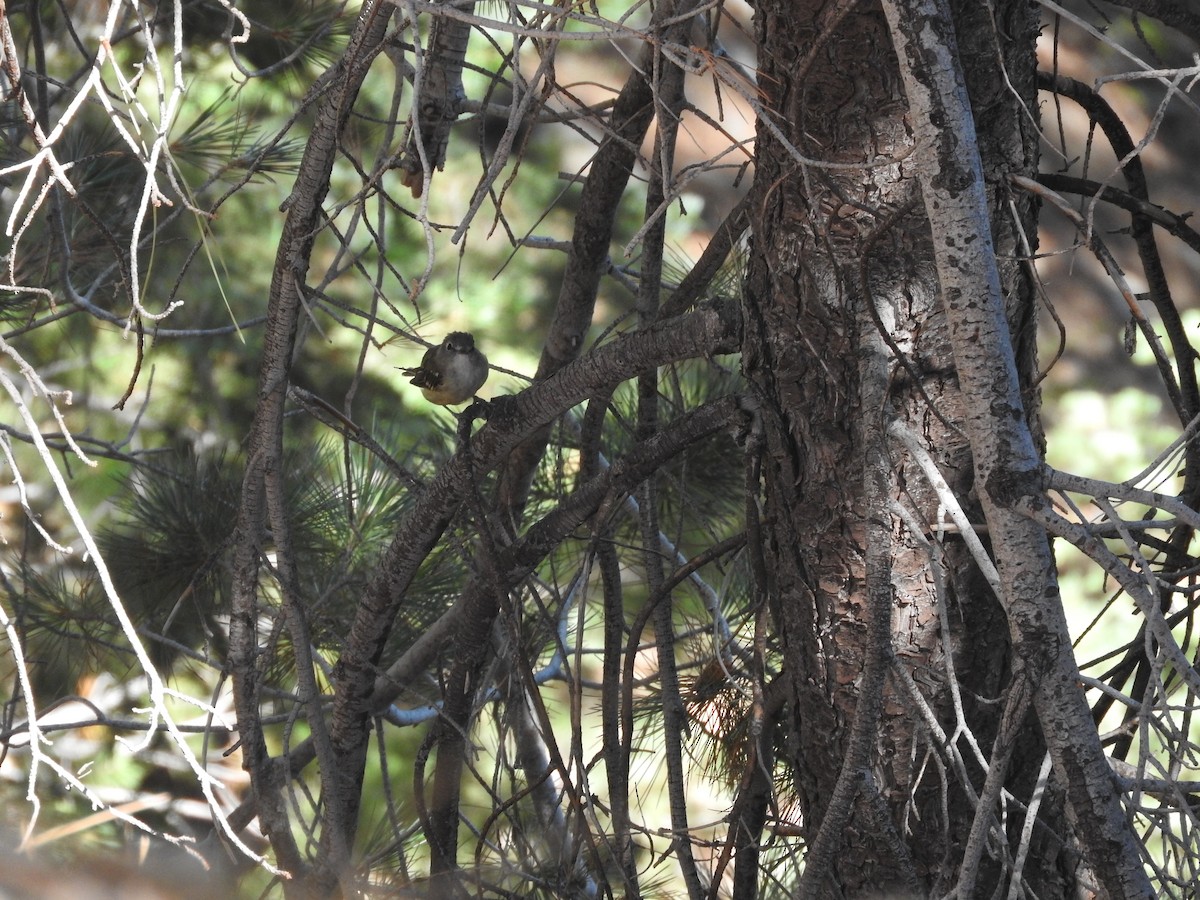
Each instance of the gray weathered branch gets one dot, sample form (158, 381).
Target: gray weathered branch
(951, 178)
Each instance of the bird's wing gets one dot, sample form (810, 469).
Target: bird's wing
(425, 375)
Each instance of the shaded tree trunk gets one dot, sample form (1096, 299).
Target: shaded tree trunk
(841, 252)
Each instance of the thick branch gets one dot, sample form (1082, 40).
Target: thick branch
(952, 184)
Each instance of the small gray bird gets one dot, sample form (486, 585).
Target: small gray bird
(451, 372)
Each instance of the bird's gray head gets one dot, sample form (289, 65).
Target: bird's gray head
(459, 342)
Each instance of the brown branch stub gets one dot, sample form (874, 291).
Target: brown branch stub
(438, 97)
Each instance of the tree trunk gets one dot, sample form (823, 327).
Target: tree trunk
(842, 251)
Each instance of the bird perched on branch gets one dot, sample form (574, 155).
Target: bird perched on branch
(451, 372)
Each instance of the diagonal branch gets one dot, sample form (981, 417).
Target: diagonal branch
(707, 331)
(1006, 458)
